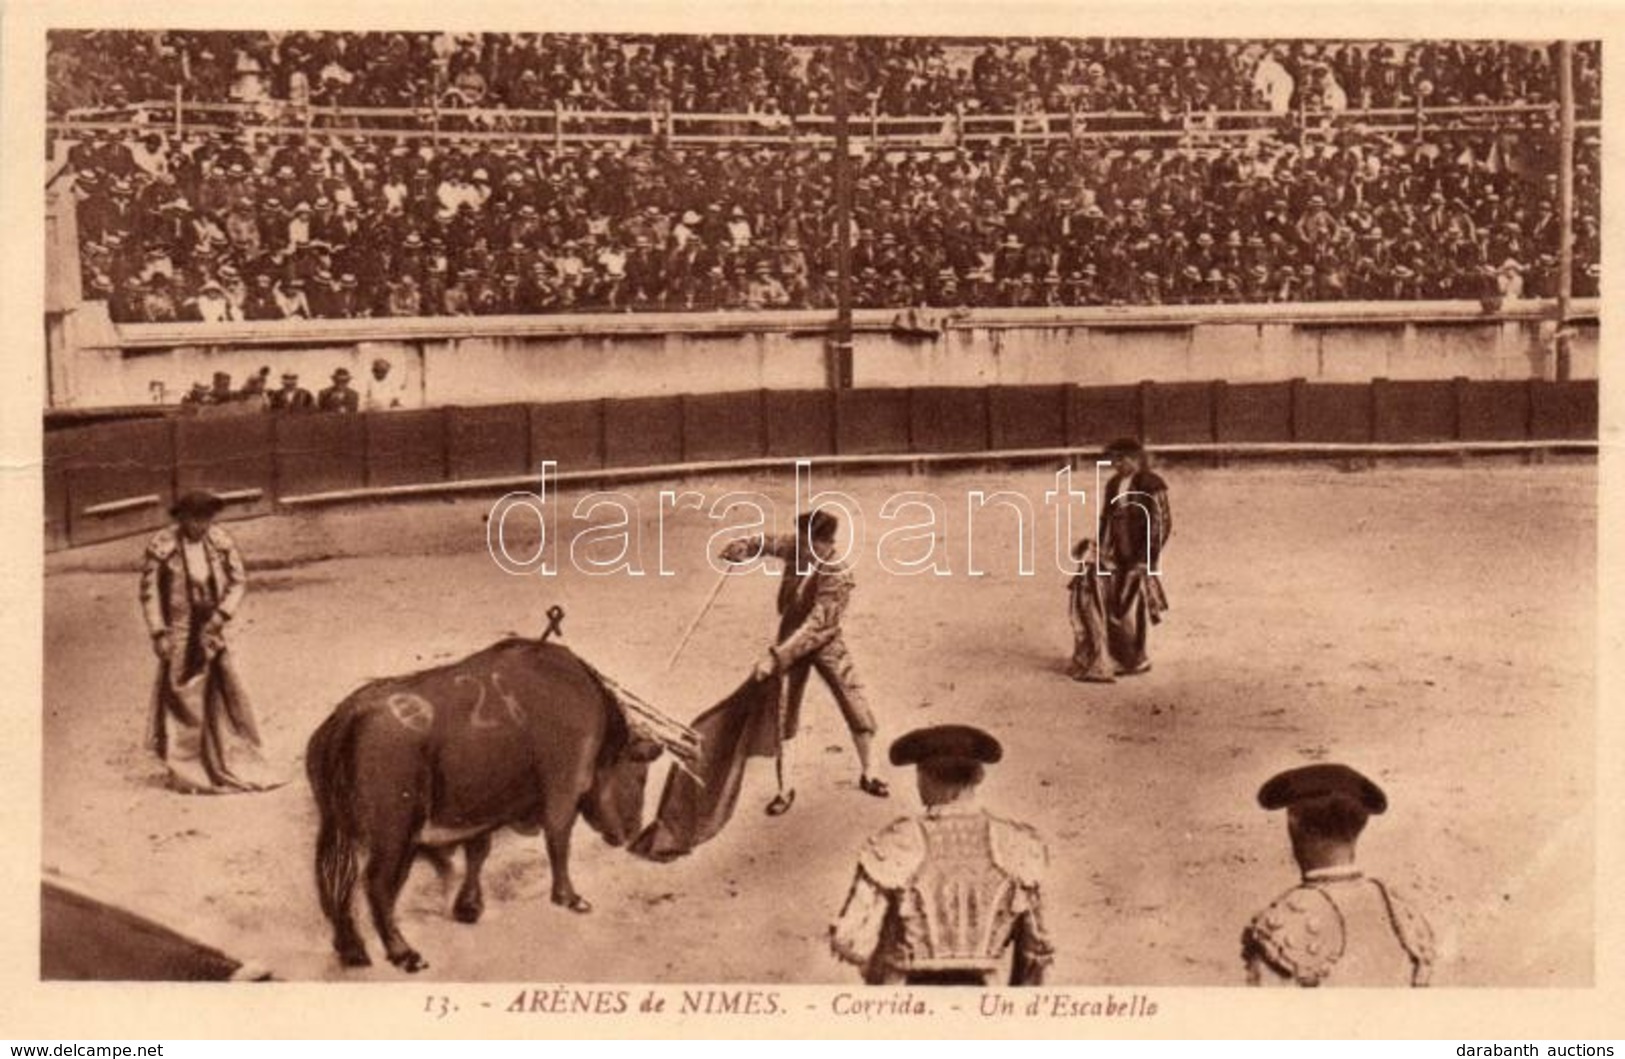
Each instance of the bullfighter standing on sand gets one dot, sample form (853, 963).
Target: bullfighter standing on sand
(201, 723)
(1135, 523)
(950, 896)
(812, 600)
(1339, 926)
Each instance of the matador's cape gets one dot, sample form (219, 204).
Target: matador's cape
(698, 802)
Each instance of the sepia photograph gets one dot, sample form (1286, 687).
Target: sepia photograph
(695, 506)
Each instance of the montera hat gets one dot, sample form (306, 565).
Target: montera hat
(199, 503)
(1319, 781)
(946, 742)
(819, 525)
(1124, 447)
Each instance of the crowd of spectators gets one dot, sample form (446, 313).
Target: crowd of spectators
(259, 227)
(789, 75)
(381, 390)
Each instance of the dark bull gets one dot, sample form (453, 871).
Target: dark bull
(521, 734)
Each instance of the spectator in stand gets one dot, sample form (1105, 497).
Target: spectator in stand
(339, 397)
(221, 392)
(212, 305)
(290, 299)
(386, 388)
(291, 397)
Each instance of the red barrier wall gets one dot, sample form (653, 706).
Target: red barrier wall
(643, 431)
(1254, 412)
(320, 453)
(404, 448)
(490, 441)
(1563, 410)
(1028, 417)
(570, 434)
(1414, 411)
(59, 451)
(868, 422)
(1333, 412)
(1178, 413)
(1101, 413)
(948, 419)
(799, 422)
(138, 466)
(116, 462)
(1494, 411)
(231, 454)
(723, 426)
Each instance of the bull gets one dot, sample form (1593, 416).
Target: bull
(522, 734)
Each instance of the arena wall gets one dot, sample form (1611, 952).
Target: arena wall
(112, 479)
(493, 360)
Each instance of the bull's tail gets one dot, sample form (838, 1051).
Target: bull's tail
(330, 764)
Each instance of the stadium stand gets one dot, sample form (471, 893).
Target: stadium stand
(259, 176)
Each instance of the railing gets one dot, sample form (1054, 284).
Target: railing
(1313, 314)
(560, 127)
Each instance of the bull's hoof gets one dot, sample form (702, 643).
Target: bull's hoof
(467, 911)
(410, 961)
(356, 957)
(575, 903)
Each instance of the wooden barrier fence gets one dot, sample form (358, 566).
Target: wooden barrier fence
(113, 479)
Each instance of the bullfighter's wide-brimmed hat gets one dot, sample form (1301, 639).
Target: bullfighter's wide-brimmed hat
(1124, 447)
(1320, 781)
(946, 742)
(199, 503)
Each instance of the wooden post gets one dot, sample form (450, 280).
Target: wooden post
(1565, 210)
(840, 353)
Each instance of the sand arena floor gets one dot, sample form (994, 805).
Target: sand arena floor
(1433, 625)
